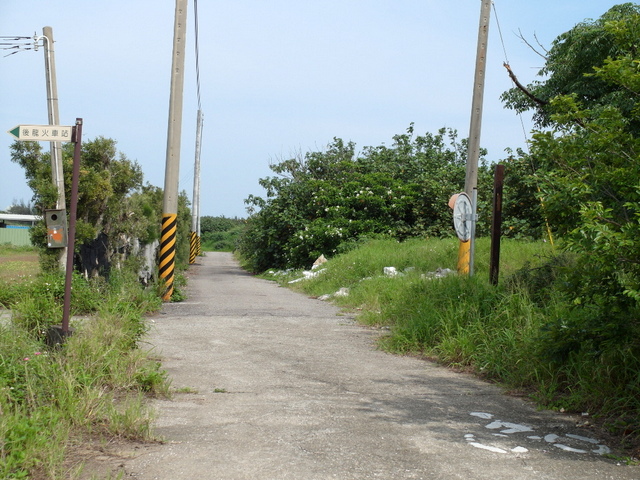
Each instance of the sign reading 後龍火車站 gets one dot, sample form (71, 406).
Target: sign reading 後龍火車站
(42, 133)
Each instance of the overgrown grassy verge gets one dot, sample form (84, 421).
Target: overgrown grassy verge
(93, 387)
(524, 333)
(18, 263)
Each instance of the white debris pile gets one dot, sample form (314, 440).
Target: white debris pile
(391, 271)
(319, 261)
(343, 292)
(439, 273)
(280, 273)
(307, 274)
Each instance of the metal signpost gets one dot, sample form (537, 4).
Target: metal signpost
(60, 133)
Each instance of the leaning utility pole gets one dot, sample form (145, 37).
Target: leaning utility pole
(174, 131)
(54, 119)
(466, 251)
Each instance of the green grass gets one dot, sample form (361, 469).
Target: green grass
(18, 264)
(94, 386)
(510, 333)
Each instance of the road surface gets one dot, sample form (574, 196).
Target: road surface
(274, 385)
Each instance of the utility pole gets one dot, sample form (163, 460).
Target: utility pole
(54, 119)
(194, 243)
(174, 131)
(466, 250)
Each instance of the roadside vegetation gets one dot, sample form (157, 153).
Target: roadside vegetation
(90, 390)
(61, 406)
(520, 333)
(220, 234)
(563, 325)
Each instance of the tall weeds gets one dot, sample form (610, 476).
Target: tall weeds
(525, 333)
(94, 385)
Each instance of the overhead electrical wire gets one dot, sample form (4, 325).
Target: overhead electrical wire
(506, 62)
(18, 44)
(188, 177)
(524, 131)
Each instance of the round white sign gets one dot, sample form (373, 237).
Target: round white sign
(462, 217)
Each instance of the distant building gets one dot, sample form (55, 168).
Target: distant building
(14, 228)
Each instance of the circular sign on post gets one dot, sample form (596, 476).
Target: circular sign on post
(462, 217)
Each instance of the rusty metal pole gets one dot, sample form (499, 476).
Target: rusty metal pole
(77, 138)
(496, 225)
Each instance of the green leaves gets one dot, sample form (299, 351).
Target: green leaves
(587, 168)
(322, 200)
(573, 59)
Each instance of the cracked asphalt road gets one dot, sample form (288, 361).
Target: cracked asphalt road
(274, 385)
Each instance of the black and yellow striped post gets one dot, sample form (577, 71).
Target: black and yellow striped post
(168, 254)
(193, 247)
(167, 261)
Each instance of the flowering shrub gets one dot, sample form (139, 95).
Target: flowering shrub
(318, 203)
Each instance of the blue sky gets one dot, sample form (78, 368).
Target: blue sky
(277, 77)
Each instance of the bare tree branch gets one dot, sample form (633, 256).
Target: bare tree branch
(521, 37)
(539, 101)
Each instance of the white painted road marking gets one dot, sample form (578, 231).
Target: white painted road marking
(508, 429)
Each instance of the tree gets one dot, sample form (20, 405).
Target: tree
(588, 170)
(573, 59)
(220, 233)
(107, 180)
(523, 215)
(323, 202)
(20, 208)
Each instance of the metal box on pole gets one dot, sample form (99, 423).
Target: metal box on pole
(56, 221)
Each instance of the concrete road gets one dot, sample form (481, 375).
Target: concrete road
(275, 385)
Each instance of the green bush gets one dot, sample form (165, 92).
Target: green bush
(220, 234)
(322, 201)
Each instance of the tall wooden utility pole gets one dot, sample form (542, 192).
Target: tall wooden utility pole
(174, 132)
(54, 119)
(466, 250)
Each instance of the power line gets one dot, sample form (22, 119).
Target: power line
(19, 44)
(506, 61)
(504, 49)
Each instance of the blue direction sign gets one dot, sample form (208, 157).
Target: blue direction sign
(42, 133)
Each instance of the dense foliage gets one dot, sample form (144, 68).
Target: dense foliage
(326, 201)
(112, 200)
(587, 167)
(220, 234)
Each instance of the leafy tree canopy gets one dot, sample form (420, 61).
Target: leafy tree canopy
(111, 197)
(586, 165)
(574, 58)
(323, 202)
